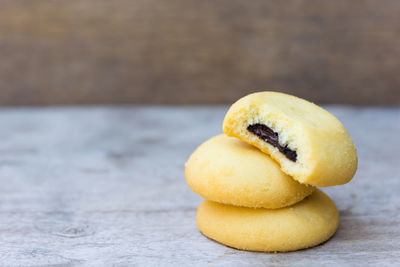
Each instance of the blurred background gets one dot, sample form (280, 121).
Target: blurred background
(56, 52)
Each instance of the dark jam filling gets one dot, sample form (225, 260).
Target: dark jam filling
(268, 135)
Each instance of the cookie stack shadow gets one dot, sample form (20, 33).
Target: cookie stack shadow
(254, 201)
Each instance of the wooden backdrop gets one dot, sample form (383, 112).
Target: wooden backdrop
(194, 52)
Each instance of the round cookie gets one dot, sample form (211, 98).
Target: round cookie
(227, 170)
(303, 225)
(308, 142)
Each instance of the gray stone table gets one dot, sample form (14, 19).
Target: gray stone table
(105, 186)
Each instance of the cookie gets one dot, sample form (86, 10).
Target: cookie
(308, 142)
(303, 225)
(227, 170)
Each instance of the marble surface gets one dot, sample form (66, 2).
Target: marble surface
(105, 186)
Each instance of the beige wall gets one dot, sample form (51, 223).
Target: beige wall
(194, 52)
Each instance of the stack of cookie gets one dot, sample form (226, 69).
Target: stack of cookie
(259, 177)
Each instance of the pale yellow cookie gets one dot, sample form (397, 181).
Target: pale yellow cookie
(227, 170)
(303, 225)
(309, 143)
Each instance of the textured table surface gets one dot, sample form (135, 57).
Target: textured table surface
(105, 186)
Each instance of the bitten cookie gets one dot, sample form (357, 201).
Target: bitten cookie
(305, 224)
(309, 143)
(227, 170)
